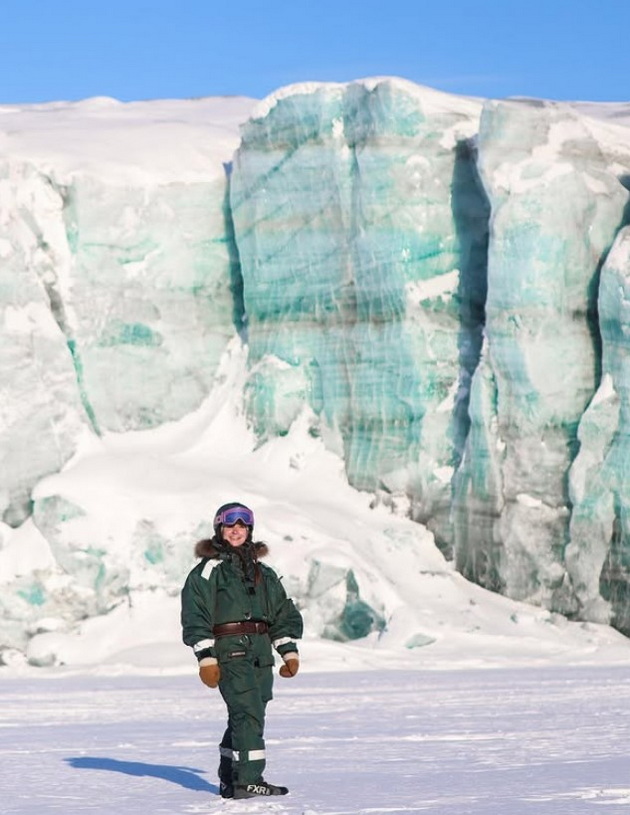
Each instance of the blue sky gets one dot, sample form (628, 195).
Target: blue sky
(147, 49)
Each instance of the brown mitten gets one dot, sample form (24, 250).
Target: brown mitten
(209, 673)
(291, 666)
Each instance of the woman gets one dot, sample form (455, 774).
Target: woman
(233, 610)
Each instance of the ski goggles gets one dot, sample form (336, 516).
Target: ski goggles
(230, 516)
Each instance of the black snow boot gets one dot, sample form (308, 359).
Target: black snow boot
(259, 788)
(226, 790)
(226, 785)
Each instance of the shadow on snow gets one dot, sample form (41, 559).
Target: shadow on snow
(186, 777)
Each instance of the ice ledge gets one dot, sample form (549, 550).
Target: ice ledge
(433, 101)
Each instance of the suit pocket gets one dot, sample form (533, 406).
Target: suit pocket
(228, 649)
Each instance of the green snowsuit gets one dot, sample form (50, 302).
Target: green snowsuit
(226, 588)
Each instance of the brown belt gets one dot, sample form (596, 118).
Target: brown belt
(249, 627)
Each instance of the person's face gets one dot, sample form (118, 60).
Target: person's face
(235, 535)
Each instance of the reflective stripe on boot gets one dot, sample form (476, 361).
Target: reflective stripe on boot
(226, 783)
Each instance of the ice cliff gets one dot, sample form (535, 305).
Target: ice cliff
(114, 268)
(558, 200)
(370, 194)
(451, 337)
(438, 284)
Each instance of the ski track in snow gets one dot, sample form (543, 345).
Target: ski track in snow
(549, 741)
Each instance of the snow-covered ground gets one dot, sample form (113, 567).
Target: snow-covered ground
(536, 741)
(467, 703)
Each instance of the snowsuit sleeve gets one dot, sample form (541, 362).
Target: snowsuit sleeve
(285, 621)
(198, 602)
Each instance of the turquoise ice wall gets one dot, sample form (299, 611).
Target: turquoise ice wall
(556, 207)
(430, 278)
(598, 555)
(361, 231)
(424, 275)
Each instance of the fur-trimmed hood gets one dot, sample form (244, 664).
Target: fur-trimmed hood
(213, 549)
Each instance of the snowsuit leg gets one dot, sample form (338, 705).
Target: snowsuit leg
(226, 756)
(246, 689)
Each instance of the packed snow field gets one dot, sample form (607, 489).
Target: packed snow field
(535, 741)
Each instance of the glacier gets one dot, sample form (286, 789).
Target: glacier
(369, 194)
(557, 204)
(116, 264)
(430, 290)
